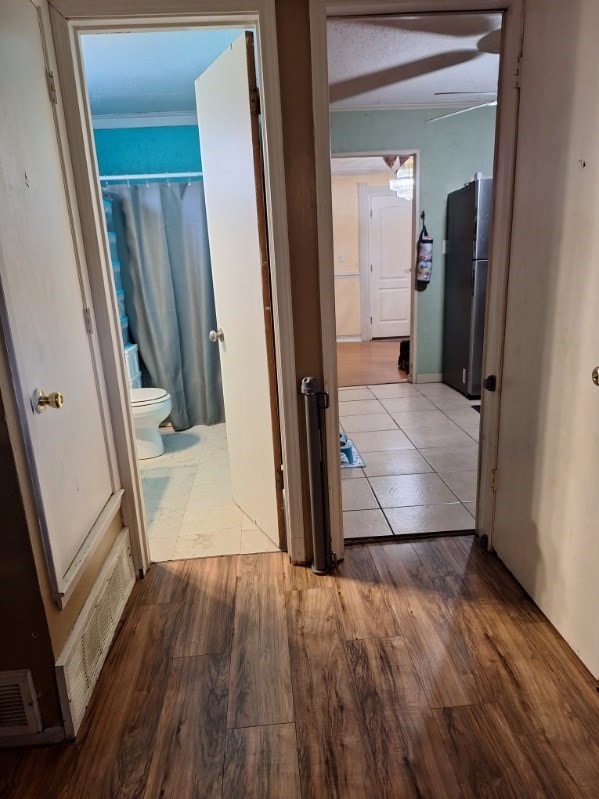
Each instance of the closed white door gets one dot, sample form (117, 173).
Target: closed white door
(45, 307)
(390, 234)
(229, 141)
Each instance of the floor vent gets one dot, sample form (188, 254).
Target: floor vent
(81, 661)
(19, 713)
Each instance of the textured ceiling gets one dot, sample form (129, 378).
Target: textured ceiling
(373, 62)
(413, 61)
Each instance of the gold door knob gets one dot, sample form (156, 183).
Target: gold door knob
(595, 375)
(40, 401)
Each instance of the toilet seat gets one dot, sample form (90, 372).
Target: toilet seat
(147, 396)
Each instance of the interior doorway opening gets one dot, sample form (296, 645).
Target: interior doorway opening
(426, 84)
(209, 477)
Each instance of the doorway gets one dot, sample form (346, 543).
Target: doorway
(215, 488)
(416, 446)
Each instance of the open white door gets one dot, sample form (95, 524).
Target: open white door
(45, 314)
(229, 140)
(390, 234)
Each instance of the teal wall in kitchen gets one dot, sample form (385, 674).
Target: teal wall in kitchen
(451, 151)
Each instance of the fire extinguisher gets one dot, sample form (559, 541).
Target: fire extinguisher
(424, 255)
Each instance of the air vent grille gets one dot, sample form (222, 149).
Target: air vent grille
(19, 713)
(81, 661)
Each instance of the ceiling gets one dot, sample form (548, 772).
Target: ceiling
(376, 62)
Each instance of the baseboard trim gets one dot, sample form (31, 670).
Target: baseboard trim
(51, 735)
(437, 377)
(346, 339)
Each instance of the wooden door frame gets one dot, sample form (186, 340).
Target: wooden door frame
(504, 177)
(69, 19)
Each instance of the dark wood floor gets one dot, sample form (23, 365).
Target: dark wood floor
(418, 670)
(368, 363)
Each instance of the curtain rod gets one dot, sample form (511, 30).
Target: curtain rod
(155, 176)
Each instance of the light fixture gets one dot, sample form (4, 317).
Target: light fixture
(402, 182)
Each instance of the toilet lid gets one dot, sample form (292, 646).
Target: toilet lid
(147, 396)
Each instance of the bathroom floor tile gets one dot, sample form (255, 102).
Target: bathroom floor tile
(452, 459)
(411, 489)
(208, 519)
(463, 484)
(255, 540)
(380, 440)
(357, 495)
(223, 542)
(429, 519)
(363, 523)
(415, 403)
(355, 407)
(396, 461)
(367, 422)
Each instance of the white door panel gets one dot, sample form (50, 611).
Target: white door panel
(227, 145)
(44, 301)
(390, 251)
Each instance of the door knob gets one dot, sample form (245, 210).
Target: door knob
(40, 401)
(216, 335)
(596, 375)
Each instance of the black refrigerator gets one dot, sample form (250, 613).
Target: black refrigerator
(466, 262)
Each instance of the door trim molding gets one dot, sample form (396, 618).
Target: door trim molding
(504, 173)
(69, 19)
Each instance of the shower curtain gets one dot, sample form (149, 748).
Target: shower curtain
(162, 242)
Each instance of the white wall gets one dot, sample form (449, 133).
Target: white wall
(547, 527)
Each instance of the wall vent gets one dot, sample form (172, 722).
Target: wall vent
(19, 712)
(83, 656)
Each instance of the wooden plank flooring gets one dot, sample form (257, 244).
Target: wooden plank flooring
(417, 670)
(368, 363)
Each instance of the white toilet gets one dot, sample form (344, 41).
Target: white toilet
(151, 406)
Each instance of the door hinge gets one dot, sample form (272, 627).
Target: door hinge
(255, 100)
(371, 213)
(518, 74)
(371, 320)
(279, 480)
(89, 325)
(52, 87)
(371, 267)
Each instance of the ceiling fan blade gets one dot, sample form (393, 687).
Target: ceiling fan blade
(463, 111)
(344, 89)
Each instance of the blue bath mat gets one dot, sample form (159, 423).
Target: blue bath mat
(350, 457)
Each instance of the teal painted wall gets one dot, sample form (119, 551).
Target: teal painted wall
(451, 151)
(126, 151)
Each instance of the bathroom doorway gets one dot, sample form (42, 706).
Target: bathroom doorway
(215, 489)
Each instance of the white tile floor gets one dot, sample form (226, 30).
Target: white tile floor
(419, 444)
(189, 506)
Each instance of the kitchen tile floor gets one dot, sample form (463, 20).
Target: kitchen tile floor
(419, 444)
(190, 511)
